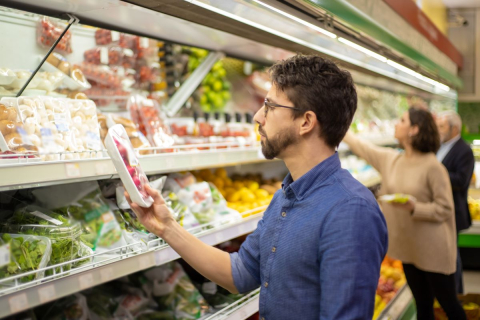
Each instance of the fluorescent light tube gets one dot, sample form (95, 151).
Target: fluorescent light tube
(362, 49)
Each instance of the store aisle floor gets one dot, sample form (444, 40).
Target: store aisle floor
(471, 280)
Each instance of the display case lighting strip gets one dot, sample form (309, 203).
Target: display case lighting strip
(292, 17)
(397, 66)
(362, 49)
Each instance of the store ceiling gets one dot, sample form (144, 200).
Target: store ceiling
(462, 3)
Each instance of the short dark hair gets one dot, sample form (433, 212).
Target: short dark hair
(428, 138)
(313, 83)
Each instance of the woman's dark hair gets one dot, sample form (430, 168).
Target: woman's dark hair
(427, 139)
(313, 83)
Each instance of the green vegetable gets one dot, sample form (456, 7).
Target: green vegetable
(25, 255)
(99, 225)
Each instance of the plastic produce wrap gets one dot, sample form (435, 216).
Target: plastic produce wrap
(155, 315)
(85, 125)
(101, 230)
(6, 76)
(62, 232)
(23, 253)
(104, 37)
(152, 120)
(73, 307)
(173, 291)
(49, 31)
(198, 198)
(55, 116)
(13, 136)
(115, 301)
(128, 166)
(101, 74)
(74, 79)
(177, 181)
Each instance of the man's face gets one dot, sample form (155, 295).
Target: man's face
(276, 127)
(444, 129)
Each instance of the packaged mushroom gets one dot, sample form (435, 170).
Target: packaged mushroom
(13, 138)
(54, 115)
(86, 126)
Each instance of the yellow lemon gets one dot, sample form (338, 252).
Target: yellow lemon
(219, 183)
(238, 185)
(234, 197)
(221, 173)
(228, 182)
(261, 194)
(253, 186)
(248, 197)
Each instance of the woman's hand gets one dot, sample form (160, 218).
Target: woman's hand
(158, 218)
(408, 206)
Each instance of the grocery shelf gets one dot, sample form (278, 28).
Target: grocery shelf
(241, 309)
(22, 173)
(397, 306)
(117, 263)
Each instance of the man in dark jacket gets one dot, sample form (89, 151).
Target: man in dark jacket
(457, 156)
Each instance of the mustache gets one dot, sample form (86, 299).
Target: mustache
(260, 130)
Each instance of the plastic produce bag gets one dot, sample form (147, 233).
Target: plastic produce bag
(49, 31)
(174, 291)
(62, 232)
(23, 253)
(73, 307)
(198, 198)
(101, 230)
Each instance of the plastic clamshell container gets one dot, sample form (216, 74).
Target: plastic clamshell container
(127, 165)
(43, 262)
(64, 233)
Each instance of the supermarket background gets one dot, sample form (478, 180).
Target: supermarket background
(185, 78)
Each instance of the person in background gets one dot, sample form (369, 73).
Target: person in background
(457, 156)
(421, 231)
(317, 251)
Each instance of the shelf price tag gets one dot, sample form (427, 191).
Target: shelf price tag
(18, 303)
(115, 36)
(85, 281)
(72, 170)
(5, 254)
(47, 293)
(106, 274)
(104, 55)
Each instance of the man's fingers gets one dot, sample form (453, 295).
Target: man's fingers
(157, 198)
(127, 196)
(136, 208)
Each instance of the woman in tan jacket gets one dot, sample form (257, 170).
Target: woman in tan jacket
(421, 232)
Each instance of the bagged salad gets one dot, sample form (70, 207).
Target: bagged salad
(101, 230)
(173, 291)
(23, 253)
(73, 307)
(63, 233)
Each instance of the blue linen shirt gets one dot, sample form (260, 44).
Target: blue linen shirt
(317, 251)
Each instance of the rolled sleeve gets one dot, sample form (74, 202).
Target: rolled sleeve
(242, 278)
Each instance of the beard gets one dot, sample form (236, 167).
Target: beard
(271, 148)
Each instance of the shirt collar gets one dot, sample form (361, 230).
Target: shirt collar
(316, 176)
(451, 142)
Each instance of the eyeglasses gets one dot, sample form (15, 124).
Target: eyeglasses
(270, 105)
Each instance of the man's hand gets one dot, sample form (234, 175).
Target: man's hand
(158, 217)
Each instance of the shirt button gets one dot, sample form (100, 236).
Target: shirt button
(266, 284)
(284, 214)
(274, 249)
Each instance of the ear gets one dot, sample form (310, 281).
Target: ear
(308, 122)
(413, 131)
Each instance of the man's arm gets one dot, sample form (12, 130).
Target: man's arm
(353, 244)
(462, 170)
(236, 272)
(211, 262)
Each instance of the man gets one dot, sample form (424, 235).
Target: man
(457, 156)
(317, 251)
